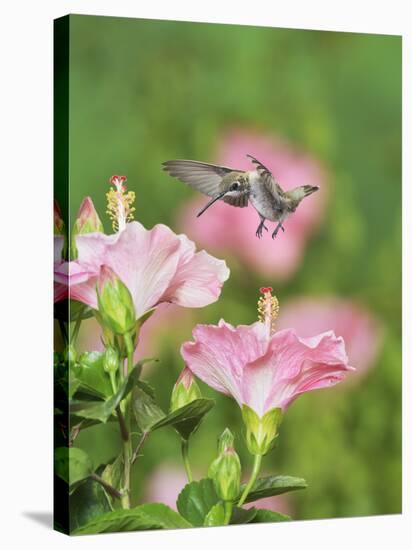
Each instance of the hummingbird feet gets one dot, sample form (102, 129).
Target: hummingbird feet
(261, 227)
(279, 226)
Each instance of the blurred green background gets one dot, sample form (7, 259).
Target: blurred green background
(142, 92)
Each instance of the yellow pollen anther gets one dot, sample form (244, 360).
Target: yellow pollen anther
(268, 309)
(119, 203)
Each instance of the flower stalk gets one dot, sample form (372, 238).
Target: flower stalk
(255, 472)
(185, 456)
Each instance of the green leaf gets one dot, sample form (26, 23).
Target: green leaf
(186, 419)
(145, 360)
(215, 516)
(72, 465)
(112, 474)
(268, 516)
(86, 503)
(102, 410)
(146, 412)
(195, 501)
(92, 376)
(242, 515)
(146, 516)
(274, 485)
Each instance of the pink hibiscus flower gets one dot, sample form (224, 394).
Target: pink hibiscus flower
(156, 265)
(263, 369)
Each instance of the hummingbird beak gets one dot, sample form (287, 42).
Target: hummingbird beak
(211, 202)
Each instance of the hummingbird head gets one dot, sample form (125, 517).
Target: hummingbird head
(233, 185)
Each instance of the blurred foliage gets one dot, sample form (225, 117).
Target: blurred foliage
(142, 92)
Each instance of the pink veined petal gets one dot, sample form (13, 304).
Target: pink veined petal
(198, 279)
(219, 354)
(292, 366)
(146, 261)
(60, 292)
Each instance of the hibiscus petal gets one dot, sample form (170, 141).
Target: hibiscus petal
(198, 279)
(292, 366)
(220, 353)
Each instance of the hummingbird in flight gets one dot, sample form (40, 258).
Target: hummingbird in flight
(239, 187)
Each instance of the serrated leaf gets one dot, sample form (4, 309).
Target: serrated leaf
(146, 516)
(86, 503)
(186, 419)
(215, 516)
(90, 373)
(102, 410)
(195, 501)
(273, 485)
(268, 516)
(146, 412)
(72, 464)
(242, 515)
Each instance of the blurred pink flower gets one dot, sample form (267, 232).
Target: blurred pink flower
(226, 228)
(156, 265)
(261, 368)
(165, 485)
(358, 327)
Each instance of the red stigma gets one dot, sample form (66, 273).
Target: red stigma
(266, 289)
(117, 179)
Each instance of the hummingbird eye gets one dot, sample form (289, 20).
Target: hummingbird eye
(234, 186)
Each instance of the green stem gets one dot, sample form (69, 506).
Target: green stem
(185, 456)
(127, 444)
(76, 329)
(228, 511)
(63, 331)
(255, 472)
(109, 488)
(113, 382)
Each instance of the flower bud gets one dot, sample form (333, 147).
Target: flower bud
(184, 391)
(111, 360)
(88, 220)
(225, 471)
(261, 432)
(115, 302)
(226, 441)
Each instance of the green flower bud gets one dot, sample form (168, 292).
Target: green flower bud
(184, 391)
(225, 471)
(111, 360)
(88, 220)
(115, 302)
(226, 441)
(261, 432)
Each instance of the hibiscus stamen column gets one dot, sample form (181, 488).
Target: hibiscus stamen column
(268, 309)
(119, 203)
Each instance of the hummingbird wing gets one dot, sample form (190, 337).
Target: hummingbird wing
(240, 200)
(267, 179)
(202, 176)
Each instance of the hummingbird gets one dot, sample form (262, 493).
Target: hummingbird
(239, 187)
